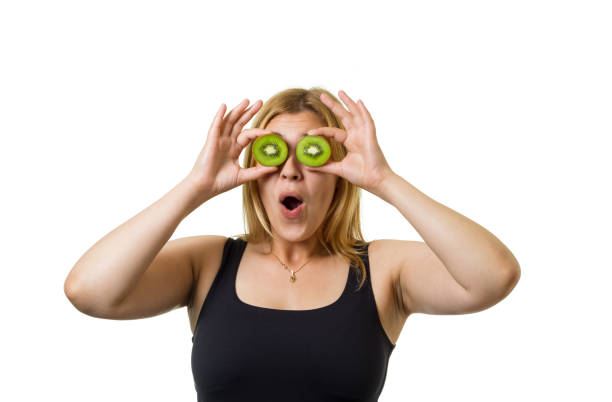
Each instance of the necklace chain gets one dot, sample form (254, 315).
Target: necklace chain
(292, 278)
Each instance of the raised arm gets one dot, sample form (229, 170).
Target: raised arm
(134, 271)
(111, 268)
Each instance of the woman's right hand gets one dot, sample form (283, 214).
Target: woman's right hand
(217, 169)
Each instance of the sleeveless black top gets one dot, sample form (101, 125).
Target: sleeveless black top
(243, 352)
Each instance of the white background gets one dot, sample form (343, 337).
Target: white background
(498, 110)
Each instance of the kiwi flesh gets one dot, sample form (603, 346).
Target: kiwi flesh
(313, 150)
(270, 150)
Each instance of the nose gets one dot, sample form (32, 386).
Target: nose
(291, 168)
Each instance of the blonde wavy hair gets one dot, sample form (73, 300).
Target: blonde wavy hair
(341, 228)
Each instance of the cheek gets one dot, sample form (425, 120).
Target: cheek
(326, 190)
(265, 186)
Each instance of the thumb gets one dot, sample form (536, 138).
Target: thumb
(254, 173)
(330, 167)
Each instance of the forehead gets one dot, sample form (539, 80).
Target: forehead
(294, 124)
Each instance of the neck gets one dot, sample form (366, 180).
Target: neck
(296, 253)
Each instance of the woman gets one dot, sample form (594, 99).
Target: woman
(300, 307)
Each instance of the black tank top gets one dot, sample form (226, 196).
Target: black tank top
(243, 352)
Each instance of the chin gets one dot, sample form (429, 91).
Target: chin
(293, 233)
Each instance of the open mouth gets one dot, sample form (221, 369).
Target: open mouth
(291, 203)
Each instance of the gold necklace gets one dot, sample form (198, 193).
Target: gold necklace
(293, 277)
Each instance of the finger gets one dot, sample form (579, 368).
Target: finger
(249, 134)
(335, 107)
(249, 112)
(214, 129)
(330, 167)
(246, 116)
(233, 116)
(337, 134)
(365, 112)
(254, 173)
(352, 106)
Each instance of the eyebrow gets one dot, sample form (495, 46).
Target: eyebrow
(282, 136)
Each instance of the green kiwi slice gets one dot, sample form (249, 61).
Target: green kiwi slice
(270, 150)
(313, 150)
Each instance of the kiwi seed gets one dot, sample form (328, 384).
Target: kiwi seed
(270, 150)
(313, 150)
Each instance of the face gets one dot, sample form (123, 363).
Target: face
(316, 189)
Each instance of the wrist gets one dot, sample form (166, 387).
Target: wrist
(386, 185)
(192, 193)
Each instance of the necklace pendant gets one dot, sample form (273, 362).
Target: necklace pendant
(292, 278)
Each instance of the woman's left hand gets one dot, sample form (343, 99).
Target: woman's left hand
(364, 164)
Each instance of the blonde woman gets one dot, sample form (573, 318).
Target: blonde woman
(300, 307)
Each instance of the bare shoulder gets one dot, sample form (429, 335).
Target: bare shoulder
(392, 253)
(389, 256)
(205, 251)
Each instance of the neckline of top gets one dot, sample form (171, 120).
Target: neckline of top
(335, 303)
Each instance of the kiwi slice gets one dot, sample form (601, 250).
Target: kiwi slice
(313, 150)
(270, 150)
